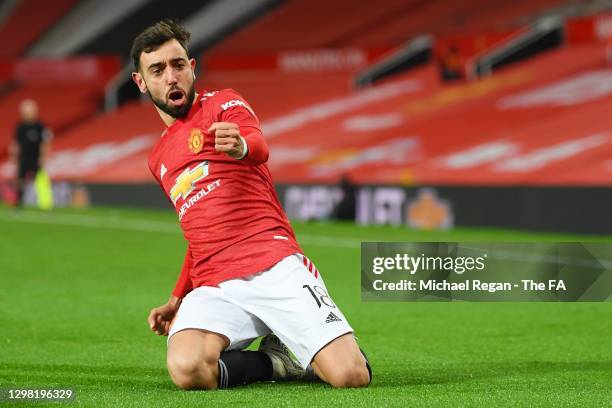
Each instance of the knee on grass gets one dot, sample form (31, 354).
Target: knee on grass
(189, 373)
(350, 376)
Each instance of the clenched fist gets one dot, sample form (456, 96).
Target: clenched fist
(228, 139)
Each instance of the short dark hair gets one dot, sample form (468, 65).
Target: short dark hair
(156, 35)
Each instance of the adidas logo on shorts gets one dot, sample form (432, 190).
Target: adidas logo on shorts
(331, 317)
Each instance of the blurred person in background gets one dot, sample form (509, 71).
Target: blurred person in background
(30, 146)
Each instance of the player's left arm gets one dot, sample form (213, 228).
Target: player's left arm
(237, 132)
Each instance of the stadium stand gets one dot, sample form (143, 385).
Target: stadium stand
(85, 21)
(112, 41)
(28, 21)
(504, 110)
(266, 90)
(408, 129)
(108, 148)
(443, 19)
(389, 23)
(67, 91)
(531, 115)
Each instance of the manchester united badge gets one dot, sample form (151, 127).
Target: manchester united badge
(196, 140)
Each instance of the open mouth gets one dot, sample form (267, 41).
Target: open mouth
(176, 97)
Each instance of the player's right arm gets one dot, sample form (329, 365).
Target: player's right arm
(160, 318)
(183, 284)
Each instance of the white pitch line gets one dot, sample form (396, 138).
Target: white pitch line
(326, 241)
(89, 221)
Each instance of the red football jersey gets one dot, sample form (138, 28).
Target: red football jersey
(228, 208)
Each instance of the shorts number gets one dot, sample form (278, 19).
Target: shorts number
(322, 297)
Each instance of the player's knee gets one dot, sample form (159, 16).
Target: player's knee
(354, 375)
(191, 372)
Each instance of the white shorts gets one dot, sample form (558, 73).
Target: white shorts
(289, 299)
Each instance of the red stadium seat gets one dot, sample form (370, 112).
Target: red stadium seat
(28, 21)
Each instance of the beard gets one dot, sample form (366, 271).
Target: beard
(177, 112)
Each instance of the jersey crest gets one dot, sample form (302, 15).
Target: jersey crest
(196, 140)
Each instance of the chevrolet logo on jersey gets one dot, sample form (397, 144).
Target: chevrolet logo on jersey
(185, 182)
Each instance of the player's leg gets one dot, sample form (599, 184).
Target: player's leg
(342, 364)
(291, 299)
(205, 341)
(284, 366)
(196, 360)
(193, 358)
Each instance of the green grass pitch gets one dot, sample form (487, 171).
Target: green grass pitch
(76, 287)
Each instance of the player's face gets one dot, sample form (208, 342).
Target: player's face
(166, 74)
